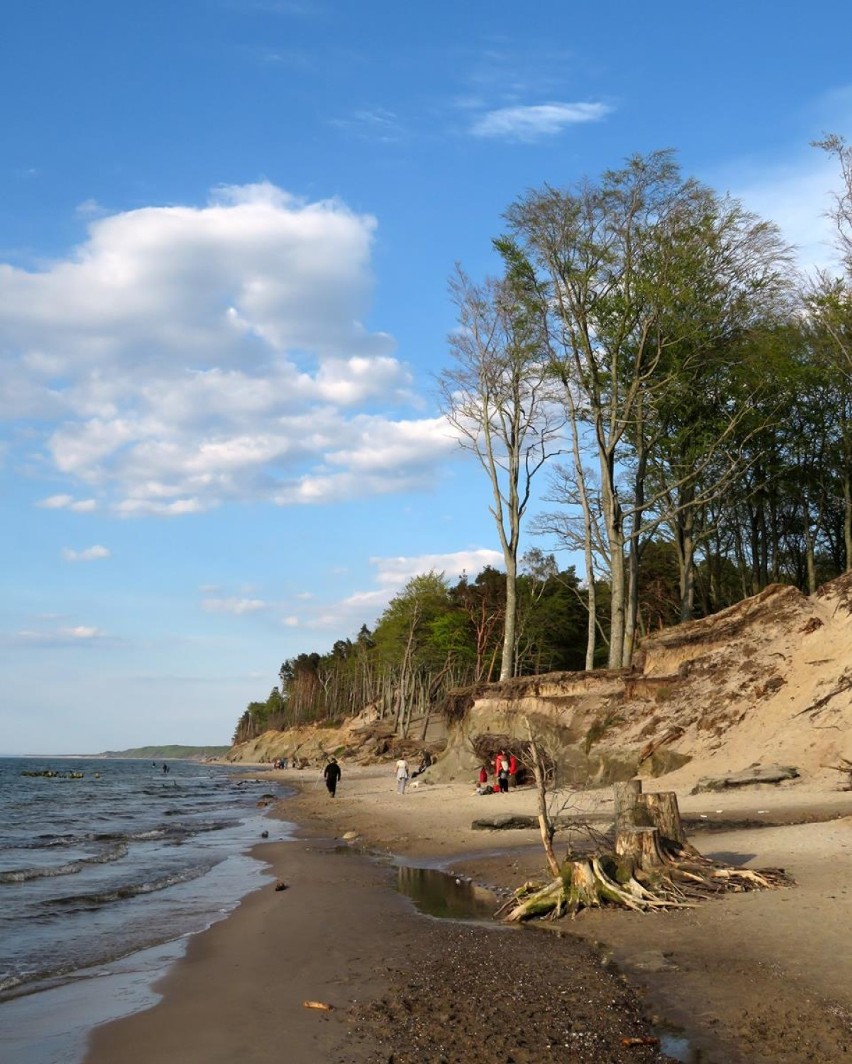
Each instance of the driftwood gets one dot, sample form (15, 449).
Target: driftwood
(652, 867)
(845, 768)
(842, 685)
(668, 737)
(747, 778)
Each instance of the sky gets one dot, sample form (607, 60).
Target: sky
(226, 232)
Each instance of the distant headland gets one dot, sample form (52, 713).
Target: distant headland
(186, 753)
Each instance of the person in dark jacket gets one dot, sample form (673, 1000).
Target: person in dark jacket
(332, 775)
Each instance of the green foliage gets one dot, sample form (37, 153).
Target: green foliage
(713, 402)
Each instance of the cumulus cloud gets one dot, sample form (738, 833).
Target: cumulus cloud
(185, 356)
(90, 554)
(536, 121)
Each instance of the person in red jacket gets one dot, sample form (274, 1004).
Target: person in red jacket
(513, 770)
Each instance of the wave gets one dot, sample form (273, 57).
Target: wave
(128, 890)
(70, 868)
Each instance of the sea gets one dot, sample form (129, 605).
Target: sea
(107, 867)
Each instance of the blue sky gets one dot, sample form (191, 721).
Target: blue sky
(226, 229)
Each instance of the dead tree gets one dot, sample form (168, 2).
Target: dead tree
(652, 866)
(546, 824)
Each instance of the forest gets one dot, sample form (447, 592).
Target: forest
(650, 352)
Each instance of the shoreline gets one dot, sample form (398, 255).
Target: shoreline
(748, 977)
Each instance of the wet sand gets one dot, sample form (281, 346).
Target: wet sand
(755, 977)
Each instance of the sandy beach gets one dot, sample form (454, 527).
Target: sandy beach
(757, 977)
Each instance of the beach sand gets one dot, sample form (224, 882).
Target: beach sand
(758, 978)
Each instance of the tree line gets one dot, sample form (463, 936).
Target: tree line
(651, 350)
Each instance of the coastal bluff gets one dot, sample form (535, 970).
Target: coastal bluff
(764, 682)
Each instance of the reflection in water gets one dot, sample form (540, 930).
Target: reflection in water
(680, 1049)
(442, 894)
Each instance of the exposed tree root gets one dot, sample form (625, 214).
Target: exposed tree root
(600, 880)
(651, 869)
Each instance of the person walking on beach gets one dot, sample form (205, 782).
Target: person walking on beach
(401, 775)
(331, 773)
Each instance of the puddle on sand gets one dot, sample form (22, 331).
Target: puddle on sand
(678, 1047)
(442, 894)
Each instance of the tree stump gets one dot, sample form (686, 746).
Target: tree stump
(641, 847)
(653, 867)
(663, 812)
(626, 796)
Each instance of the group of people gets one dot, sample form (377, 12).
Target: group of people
(505, 769)
(331, 772)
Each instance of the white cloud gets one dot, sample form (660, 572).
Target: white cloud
(377, 125)
(67, 502)
(81, 631)
(391, 576)
(396, 572)
(90, 554)
(56, 502)
(537, 121)
(235, 606)
(184, 356)
(89, 208)
(63, 636)
(796, 195)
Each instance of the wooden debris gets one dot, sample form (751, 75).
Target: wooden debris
(652, 747)
(846, 768)
(317, 1005)
(652, 867)
(645, 1041)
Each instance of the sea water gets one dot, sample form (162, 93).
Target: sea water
(105, 867)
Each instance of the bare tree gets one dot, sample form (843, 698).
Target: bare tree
(841, 213)
(499, 397)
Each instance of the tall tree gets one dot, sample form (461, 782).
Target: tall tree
(498, 396)
(623, 265)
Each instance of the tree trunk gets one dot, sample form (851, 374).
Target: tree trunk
(545, 822)
(847, 517)
(641, 848)
(588, 543)
(618, 589)
(685, 541)
(626, 796)
(507, 662)
(662, 811)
